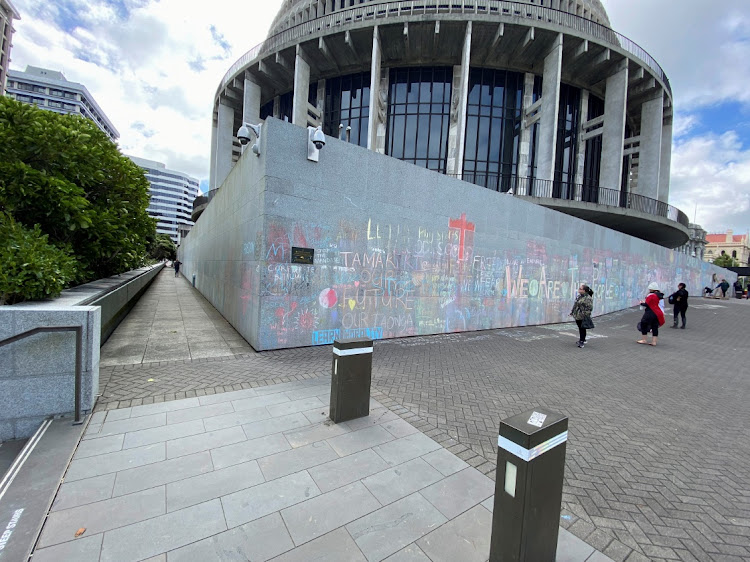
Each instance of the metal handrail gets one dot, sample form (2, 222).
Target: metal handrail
(79, 354)
(586, 193)
(379, 10)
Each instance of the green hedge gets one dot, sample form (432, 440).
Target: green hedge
(30, 267)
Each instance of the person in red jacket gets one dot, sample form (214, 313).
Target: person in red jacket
(653, 317)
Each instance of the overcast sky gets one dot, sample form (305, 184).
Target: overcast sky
(153, 67)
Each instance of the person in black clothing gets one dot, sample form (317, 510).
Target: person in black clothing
(679, 301)
(177, 264)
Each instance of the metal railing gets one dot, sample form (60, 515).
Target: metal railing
(79, 355)
(553, 189)
(383, 10)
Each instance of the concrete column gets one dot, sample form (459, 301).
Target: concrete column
(225, 141)
(301, 89)
(251, 102)
(322, 99)
(550, 109)
(666, 160)
(524, 152)
(459, 100)
(649, 161)
(613, 132)
(212, 163)
(581, 154)
(277, 107)
(373, 122)
(250, 106)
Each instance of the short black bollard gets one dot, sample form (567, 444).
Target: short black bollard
(193, 279)
(351, 374)
(528, 487)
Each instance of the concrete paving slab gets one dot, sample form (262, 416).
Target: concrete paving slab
(164, 533)
(114, 462)
(259, 401)
(572, 549)
(399, 428)
(258, 540)
(341, 472)
(199, 413)
(248, 450)
(336, 545)
(288, 462)
(93, 447)
(163, 433)
(377, 416)
(236, 418)
(295, 406)
(84, 549)
(407, 448)
(411, 553)
(163, 407)
(128, 425)
(465, 538)
(389, 529)
(204, 441)
(275, 425)
(401, 481)
(459, 492)
(226, 396)
(156, 474)
(211, 485)
(444, 461)
(316, 517)
(82, 492)
(359, 440)
(263, 499)
(61, 526)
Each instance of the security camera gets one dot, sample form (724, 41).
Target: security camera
(315, 141)
(243, 135)
(318, 139)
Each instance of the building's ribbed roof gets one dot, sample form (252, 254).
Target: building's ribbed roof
(593, 7)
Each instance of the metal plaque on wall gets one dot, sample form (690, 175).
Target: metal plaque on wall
(303, 255)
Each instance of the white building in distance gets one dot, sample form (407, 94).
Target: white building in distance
(7, 14)
(172, 194)
(50, 90)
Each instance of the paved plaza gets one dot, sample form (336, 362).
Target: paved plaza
(657, 462)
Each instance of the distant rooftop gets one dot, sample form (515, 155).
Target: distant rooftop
(38, 71)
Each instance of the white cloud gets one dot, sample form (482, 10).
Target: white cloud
(713, 171)
(154, 72)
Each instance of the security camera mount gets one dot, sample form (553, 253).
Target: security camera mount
(315, 141)
(243, 135)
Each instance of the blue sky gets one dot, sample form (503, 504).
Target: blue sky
(153, 66)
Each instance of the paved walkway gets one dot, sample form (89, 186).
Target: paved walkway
(657, 465)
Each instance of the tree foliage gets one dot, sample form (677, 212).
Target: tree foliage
(62, 174)
(32, 268)
(161, 247)
(725, 260)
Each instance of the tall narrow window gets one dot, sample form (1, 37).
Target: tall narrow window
(593, 161)
(493, 127)
(348, 104)
(567, 143)
(419, 116)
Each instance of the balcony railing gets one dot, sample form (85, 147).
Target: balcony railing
(551, 189)
(202, 200)
(501, 8)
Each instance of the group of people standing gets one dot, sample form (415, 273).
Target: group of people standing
(653, 316)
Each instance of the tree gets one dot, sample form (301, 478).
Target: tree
(162, 248)
(64, 175)
(725, 260)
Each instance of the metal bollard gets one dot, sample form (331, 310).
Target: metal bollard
(193, 279)
(351, 375)
(528, 487)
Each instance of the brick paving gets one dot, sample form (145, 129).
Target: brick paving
(658, 457)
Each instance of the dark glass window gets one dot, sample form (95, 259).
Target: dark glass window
(419, 116)
(567, 142)
(266, 110)
(348, 104)
(534, 137)
(286, 106)
(493, 127)
(593, 161)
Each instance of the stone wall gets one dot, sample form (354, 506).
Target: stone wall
(401, 251)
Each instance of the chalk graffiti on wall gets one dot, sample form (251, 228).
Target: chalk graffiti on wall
(384, 280)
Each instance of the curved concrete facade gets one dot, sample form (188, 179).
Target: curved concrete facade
(541, 98)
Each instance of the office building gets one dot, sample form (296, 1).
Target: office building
(7, 14)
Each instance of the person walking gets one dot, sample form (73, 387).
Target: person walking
(177, 264)
(679, 301)
(653, 317)
(581, 312)
(724, 287)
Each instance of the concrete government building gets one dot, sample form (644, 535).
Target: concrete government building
(541, 98)
(403, 224)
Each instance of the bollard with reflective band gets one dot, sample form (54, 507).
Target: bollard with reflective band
(528, 487)
(351, 375)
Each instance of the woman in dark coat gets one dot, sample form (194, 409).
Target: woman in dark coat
(679, 300)
(653, 317)
(582, 312)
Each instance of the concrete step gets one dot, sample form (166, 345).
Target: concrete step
(30, 482)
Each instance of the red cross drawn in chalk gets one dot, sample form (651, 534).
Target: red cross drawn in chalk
(464, 227)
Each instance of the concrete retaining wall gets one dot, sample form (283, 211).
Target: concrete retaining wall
(37, 374)
(401, 251)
